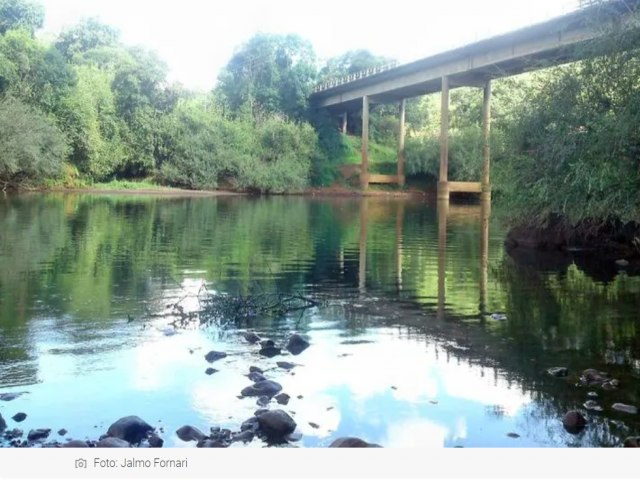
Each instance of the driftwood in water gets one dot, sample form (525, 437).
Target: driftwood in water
(225, 309)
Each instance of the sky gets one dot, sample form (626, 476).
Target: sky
(198, 37)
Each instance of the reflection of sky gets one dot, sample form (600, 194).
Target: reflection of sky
(393, 390)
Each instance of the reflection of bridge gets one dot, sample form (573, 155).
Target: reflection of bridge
(554, 42)
(444, 217)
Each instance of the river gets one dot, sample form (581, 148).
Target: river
(428, 333)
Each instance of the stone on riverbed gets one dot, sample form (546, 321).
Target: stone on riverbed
(352, 442)
(131, 429)
(270, 352)
(244, 437)
(250, 424)
(62, 432)
(275, 424)
(592, 405)
(19, 417)
(622, 407)
(282, 398)
(3, 424)
(267, 388)
(256, 377)
(631, 442)
(211, 371)
(574, 421)
(251, 337)
(76, 444)
(592, 376)
(255, 370)
(267, 343)
(213, 356)
(38, 434)
(263, 401)
(155, 441)
(113, 442)
(7, 397)
(297, 344)
(558, 371)
(188, 433)
(286, 365)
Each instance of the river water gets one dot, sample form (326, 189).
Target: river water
(428, 333)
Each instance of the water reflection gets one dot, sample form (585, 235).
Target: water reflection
(405, 351)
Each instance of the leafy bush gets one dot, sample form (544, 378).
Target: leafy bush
(32, 148)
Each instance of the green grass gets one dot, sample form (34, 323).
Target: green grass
(128, 185)
(382, 158)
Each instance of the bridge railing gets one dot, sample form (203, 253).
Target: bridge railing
(328, 84)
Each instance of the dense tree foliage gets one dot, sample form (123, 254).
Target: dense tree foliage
(20, 14)
(32, 148)
(272, 73)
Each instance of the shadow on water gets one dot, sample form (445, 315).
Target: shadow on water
(429, 333)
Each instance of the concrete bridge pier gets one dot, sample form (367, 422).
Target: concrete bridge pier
(443, 183)
(445, 187)
(364, 169)
(343, 123)
(401, 135)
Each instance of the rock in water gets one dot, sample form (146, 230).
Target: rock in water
(19, 417)
(3, 424)
(275, 424)
(212, 356)
(256, 377)
(622, 407)
(631, 442)
(75, 444)
(267, 388)
(188, 433)
(131, 429)
(558, 371)
(592, 405)
(251, 337)
(270, 352)
(244, 437)
(255, 370)
(155, 441)
(38, 434)
(263, 401)
(297, 344)
(7, 397)
(352, 442)
(286, 365)
(591, 376)
(62, 432)
(267, 343)
(574, 421)
(282, 398)
(210, 371)
(113, 442)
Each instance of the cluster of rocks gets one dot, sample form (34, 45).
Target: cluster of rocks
(574, 421)
(272, 426)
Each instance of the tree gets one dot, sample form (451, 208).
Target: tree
(351, 62)
(87, 35)
(273, 73)
(20, 14)
(32, 148)
(32, 72)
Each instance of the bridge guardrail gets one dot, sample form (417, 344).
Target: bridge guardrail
(353, 77)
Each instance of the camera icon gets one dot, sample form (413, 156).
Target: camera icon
(81, 463)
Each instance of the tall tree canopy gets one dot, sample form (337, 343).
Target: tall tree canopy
(20, 14)
(273, 73)
(353, 61)
(87, 35)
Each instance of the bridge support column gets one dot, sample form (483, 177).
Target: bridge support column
(443, 184)
(364, 169)
(343, 123)
(486, 139)
(401, 134)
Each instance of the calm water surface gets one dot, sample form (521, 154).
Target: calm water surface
(405, 351)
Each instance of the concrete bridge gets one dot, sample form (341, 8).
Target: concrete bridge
(557, 41)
